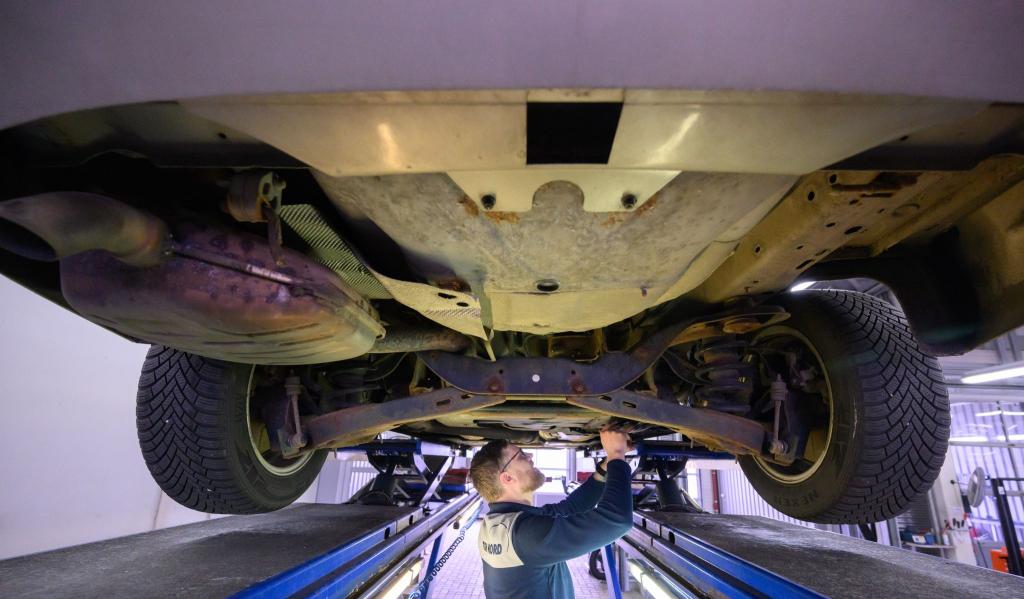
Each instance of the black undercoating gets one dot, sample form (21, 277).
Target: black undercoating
(839, 566)
(208, 559)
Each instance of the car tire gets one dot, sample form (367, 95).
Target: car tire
(889, 412)
(595, 565)
(194, 431)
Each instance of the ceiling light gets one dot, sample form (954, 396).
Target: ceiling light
(998, 413)
(981, 439)
(969, 439)
(994, 373)
(802, 286)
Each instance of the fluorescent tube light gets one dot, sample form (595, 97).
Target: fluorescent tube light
(997, 413)
(656, 591)
(994, 373)
(649, 583)
(969, 439)
(982, 439)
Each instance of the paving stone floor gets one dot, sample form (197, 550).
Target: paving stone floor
(463, 577)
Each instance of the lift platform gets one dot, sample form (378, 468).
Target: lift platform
(351, 550)
(675, 549)
(408, 470)
(363, 550)
(712, 555)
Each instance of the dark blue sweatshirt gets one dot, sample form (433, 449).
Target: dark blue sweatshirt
(524, 548)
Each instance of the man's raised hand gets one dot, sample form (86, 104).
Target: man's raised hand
(615, 442)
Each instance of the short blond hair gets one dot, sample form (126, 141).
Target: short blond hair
(485, 468)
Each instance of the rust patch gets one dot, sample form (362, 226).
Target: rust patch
(613, 219)
(503, 217)
(451, 284)
(647, 205)
(495, 385)
(470, 206)
(617, 218)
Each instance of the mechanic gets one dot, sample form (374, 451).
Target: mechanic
(524, 548)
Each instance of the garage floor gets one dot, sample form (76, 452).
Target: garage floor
(463, 576)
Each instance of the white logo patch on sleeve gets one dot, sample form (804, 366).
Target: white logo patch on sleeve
(496, 541)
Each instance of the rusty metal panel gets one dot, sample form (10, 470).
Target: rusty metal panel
(716, 429)
(361, 423)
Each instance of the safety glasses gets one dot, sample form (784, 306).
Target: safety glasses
(514, 456)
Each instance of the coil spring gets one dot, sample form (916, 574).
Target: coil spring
(729, 380)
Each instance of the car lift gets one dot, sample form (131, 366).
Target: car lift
(675, 549)
(407, 470)
(369, 547)
(373, 547)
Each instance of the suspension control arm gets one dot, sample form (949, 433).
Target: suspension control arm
(354, 425)
(734, 434)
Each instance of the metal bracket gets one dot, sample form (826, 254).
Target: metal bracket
(255, 197)
(611, 372)
(434, 481)
(251, 193)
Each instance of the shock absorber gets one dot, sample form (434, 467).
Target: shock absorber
(729, 380)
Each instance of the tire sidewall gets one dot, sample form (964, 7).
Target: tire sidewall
(272, 491)
(811, 497)
(595, 565)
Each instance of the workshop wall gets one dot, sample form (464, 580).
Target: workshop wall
(989, 424)
(738, 497)
(71, 467)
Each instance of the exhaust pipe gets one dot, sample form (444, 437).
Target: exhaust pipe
(53, 226)
(416, 339)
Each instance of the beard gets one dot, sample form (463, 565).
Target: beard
(536, 481)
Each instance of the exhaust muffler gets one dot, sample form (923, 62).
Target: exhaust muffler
(201, 289)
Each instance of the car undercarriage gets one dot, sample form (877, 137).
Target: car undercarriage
(315, 270)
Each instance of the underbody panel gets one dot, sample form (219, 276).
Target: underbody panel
(691, 197)
(558, 238)
(599, 267)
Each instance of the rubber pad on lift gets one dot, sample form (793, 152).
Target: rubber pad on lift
(208, 559)
(840, 566)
